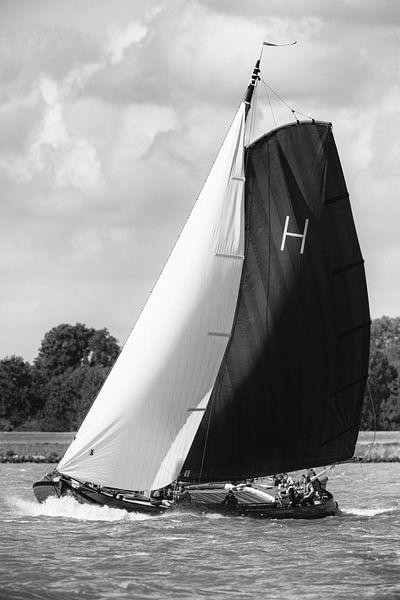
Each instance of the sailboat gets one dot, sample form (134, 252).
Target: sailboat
(250, 357)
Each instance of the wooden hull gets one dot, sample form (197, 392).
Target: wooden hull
(58, 487)
(47, 487)
(269, 511)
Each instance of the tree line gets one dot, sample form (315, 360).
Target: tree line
(381, 409)
(55, 392)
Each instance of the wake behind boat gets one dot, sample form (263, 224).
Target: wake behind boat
(250, 357)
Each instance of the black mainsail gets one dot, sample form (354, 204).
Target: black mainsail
(290, 388)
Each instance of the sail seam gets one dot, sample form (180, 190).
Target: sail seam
(340, 434)
(353, 330)
(349, 385)
(337, 198)
(348, 267)
(216, 334)
(226, 255)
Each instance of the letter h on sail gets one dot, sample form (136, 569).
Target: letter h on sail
(299, 235)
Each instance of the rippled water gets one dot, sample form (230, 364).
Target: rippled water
(63, 550)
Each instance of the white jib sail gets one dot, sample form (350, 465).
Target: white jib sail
(139, 430)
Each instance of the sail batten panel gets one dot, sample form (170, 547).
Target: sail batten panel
(170, 361)
(274, 404)
(338, 198)
(349, 385)
(354, 329)
(347, 267)
(353, 427)
(218, 334)
(234, 256)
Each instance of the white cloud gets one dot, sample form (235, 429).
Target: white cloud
(137, 127)
(111, 115)
(69, 158)
(80, 168)
(52, 131)
(80, 75)
(120, 39)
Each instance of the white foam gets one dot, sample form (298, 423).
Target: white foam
(187, 513)
(69, 508)
(213, 516)
(367, 512)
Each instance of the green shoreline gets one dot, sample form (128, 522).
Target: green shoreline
(49, 447)
(43, 453)
(27, 446)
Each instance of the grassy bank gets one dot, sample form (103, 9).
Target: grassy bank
(380, 446)
(27, 446)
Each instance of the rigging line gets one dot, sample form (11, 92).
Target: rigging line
(269, 100)
(270, 106)
(303, 115)
(269, 241)
(261, 79)
(368, 453)
(267, 87)
(250, 129)
(206, 438)
(318, 475)
(292, 110)
(253, 115)
(251, 119)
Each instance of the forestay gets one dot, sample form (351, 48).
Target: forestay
(140, 428)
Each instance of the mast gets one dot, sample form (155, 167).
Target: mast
(251, 87)
(256, 75)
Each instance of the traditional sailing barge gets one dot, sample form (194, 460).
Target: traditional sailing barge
(250, 357)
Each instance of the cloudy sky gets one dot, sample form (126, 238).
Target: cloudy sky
(112, 112)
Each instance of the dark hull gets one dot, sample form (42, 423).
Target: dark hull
(48, 487)
(269, 511)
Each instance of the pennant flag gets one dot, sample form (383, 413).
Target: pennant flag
(270, 44)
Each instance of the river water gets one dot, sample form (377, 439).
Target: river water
(62, 550)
